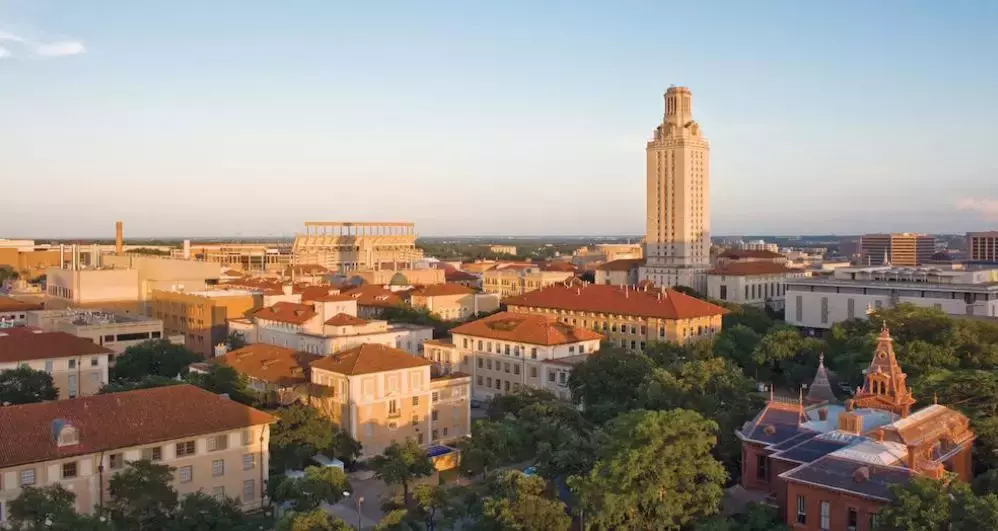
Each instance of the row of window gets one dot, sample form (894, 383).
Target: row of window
(487, 382)
(116, 461)
(825, 516)
(505, 366)
(500, 348)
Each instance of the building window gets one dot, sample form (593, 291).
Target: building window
(249, 490)
(479, 345)
(498, 384)
(516, 369)
(69, 470)
(153, 454)
(505, 349)
(488, 364)
(217, 468)
(186, 448)
(415, 400)
(48, 366)
(762, 467)
(801, 510)
(246, 437)
(28, 477)
(393, 407)
(116, 461)
(488, 382)
(724, 293)
(185, 474)
(852, 520)
(505, 367)
(479, 380)
(218, 492)
(826, 508)
(533, 353)
(218, 442)
(481, 363)
(249, 461)
(94, 361)
(434, 435)
(72, 364)
(533, 372)
(465, 342)
(551, 377)
(73, 384)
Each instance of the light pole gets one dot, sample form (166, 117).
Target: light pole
(360, 500)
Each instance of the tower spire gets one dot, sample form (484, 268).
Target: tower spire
(821, 389)
(884, 386)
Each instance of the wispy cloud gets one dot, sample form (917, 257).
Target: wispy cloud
(29, 47)
(987, 208)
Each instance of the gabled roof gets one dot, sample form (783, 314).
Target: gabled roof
(26, 344)
(369, 358)
(597, 298)
(343, 319)
(286, 312)
(119, 420)
(269, 363)
(863, 479)
(526, 328)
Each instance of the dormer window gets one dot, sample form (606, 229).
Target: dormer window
(64, 433)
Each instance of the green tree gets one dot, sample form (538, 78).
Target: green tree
(518, 502)
(222, 379)
(300, 433)
(510, 404)
(25, 385)
(8, 273)
(754, 318)
(607, 383)
(156, 357)
(203, 512)
(756, 517)
(315, 520)
(346, 448)
(923, 504)
(147, 382)
(142, 496)
(737, 344)
(401, 464)
(654, 471)
(492, 444)
(234, 340)
(320, 484)
(43, 508)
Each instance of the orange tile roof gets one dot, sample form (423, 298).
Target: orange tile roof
(286, 312)
(119, 420)
(439, 342)
(597, 298)
(452, 274)
(564, 267)
(269, 363)
(750, 253)
(751, 268)
(25, 344)
(623, 264)
(9, 304)
(374, 295)
(343, 319)
(369, 358)
(526, 328)
(441, 290)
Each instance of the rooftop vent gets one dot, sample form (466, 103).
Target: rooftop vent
(769, 429)
(861, 475)
(63, 433)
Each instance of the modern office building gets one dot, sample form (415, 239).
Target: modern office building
(903, 249)
(628, 317)
(817, 303)
(831, 465)
(344, 246)
(982, 246)
(380, 395)
(677, 234)
(78, 366)
(215, 445)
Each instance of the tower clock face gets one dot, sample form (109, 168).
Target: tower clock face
(882, 355)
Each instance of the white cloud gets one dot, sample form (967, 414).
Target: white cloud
(988, 208)
(60, 48)
(25, 46)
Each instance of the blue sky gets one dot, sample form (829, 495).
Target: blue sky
(195, 118)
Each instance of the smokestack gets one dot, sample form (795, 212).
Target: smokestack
(187, 249)
(62, 256)
(119, 238)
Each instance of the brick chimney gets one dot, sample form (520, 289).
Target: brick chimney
(119, 238)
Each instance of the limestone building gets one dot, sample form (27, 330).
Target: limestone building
(348, 246)
(78, 366)
(677, 236)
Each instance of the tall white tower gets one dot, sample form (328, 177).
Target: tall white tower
(677, 232)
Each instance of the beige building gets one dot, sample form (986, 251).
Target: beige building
(14, 312)
(623, 272)
(214, 445)
(903, 249)
(373, 299)
(506, 352)
(380, 395)
(402, 277)
(754, 283)
(677, 235)
(349, 246)
(508, 280)
(502, 249)
(982, 246)
(202, 316)
(453, 301)
(78, 366)
(124, 282)
(628, 317)
(116, 331)
(331, 325)
(249, 257)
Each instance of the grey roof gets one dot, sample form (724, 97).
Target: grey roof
(840, 474)
(785, 424)
(811, 450)
(802, 436)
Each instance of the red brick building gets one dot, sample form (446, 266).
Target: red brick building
(830, 466)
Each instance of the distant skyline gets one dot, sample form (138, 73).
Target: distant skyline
(248, 118)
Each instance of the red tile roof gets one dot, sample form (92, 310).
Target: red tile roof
(9, 304)
(452, 274)
(119, 420)
(286, 312)
(559, 266)
(597, 298)
(375, 295)
(25, 344)
(342, 319)
(747, 253)
(369, 358)
(526, 328)
(624, 264)
(441, 290)
(752, 268)
(269, 363)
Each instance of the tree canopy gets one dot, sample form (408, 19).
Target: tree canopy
(25, 385)
(401, 464)
(319, 485)
(517, 502)
(157, 357)
(142, 496)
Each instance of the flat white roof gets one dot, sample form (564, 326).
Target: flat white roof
(218, 293)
